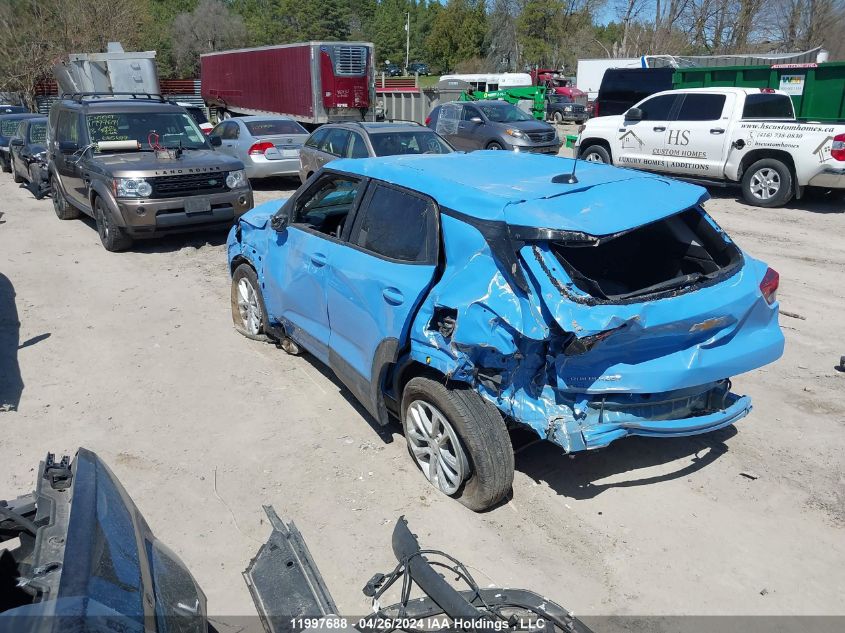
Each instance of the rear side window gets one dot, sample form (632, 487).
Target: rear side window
(701, 107)
(398, 225)
(357, 147)
(231, 131)
(335, 142)
(8, 127)
(658, 108)
(68, 127)
(317, 138)
(768, 106)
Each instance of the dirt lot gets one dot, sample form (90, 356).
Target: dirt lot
(133, 355)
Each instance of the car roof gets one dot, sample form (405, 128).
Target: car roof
(259, 117)
(517, 188)
(18, 115)
(380, 127)
(94, 106)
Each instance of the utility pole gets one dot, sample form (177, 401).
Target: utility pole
(407, 38)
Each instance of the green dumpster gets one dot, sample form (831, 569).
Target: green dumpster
(817, 90)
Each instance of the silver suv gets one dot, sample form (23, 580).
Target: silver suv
(140, 167)
(364, 140)
(492, 124)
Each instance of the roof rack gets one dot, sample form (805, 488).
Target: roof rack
(405, 121)
(79, 96)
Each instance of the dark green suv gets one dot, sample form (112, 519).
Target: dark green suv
(140, 167)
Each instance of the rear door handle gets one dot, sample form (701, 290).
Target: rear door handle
(717, 130)
(318, 259)
(659, 129)
(393, 296)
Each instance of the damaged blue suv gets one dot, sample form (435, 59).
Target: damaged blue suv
(469, 293)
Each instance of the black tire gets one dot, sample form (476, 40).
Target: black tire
(482, 433)
(598, 152)
(7, 166)
(64, 209)
(15, 176)
(494, 145)
(246, 272)
(113, 237)
(558, 117)
(767, 183)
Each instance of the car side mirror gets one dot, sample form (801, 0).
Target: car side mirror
(634, 114)
(477, 119)
(279, 222)
(215, 141)
(68, 147)
(16, 142)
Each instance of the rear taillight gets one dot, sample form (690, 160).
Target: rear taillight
(261, 147)
(837, 150)
(427, 120)
(207, 131)
(767, 90)
(769, 285)
(595, 108)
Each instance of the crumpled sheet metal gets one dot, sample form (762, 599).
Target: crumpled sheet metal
(510, 345)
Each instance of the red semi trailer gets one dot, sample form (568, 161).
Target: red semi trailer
(312, 82)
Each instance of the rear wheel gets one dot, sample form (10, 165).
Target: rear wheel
(64, 209)
(113, 237)
(595, 154)
(7, 166)
(767, 183)
(459, 442)
(249, 316)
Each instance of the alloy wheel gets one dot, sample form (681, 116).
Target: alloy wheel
(765, 183)
(248, 307)
(436, 447)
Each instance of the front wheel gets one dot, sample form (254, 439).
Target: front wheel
(596, 154)
(494, 145)
(767, 183)
(558, 117)
(113, 237)
(249, 316)
(459, 442)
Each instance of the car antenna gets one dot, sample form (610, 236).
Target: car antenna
(568, 179)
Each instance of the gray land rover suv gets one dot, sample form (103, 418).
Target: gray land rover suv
(140, 167)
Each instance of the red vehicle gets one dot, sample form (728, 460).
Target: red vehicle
(311, 82)
(556, 83)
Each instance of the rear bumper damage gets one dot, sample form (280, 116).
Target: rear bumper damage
(597, 422)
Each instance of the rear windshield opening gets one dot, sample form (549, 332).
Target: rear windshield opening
(677, 251)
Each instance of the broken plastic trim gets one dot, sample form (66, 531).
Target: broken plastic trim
(284, 581)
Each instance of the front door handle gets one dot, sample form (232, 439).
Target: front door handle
(393, 296)
(318, 259)
(659, 129)
(717, 130)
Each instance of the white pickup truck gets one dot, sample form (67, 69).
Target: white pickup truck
(722, 136)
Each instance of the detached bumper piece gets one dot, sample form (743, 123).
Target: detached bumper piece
(600, 420)
(284, 581)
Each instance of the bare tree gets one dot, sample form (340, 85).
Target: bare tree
(210, 27)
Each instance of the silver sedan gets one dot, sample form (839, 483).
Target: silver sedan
(267, 145)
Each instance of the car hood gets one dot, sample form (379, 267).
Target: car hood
(260, 215)
(525, 126)
(138, 164)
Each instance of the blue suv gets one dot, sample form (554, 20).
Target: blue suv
(467, 294)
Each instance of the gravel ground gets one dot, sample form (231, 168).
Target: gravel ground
(133, 355)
